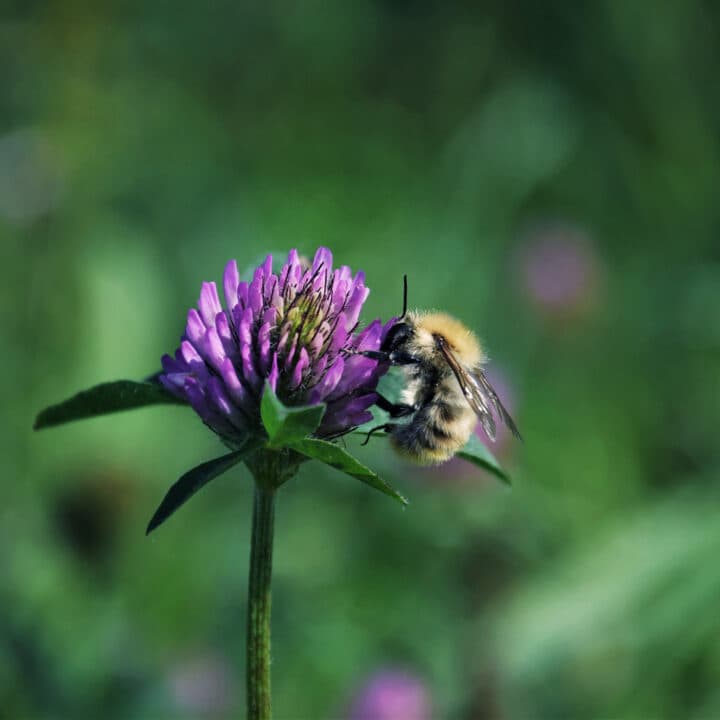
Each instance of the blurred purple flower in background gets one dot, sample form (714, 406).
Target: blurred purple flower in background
(392, 694)
(560, 270)
(296, 329)
(202, 685)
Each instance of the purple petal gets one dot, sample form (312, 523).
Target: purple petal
(267, 270)
(283, 341)
(329, 381)
(209, 303)
(244, 325)
(323, 258)
(290, 274)
(285, 270)
(255, 298)
(196, 398)
(174, 383)
(320, 282)
(195, 328)
(218, 398)
(190, 354)
(341, 288)
(274, 373)
(300, 366)
(305, 280)
(170, 364)
(223, 330)
(370, 337)
(290, 357)
(355, 303)
(347, 413)
(358, 372)
(263, 346)
(248, 366)
(319, 366)
(213, 349)
(339, 337)
(270, 316)
(270, 288)
(237, 391)
(276, 299)
(242, 293)
(231, 280)
(319, 340)
(193, 360)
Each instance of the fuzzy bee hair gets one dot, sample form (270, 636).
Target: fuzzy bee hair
(446, 390)
(461, 340)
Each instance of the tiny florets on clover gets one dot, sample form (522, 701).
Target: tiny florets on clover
(297, 330)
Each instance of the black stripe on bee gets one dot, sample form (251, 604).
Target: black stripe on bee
(439, 432)
(448, 413)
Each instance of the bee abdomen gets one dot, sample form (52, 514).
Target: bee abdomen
(436, 432)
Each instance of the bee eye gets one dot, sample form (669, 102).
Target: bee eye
(396, 336)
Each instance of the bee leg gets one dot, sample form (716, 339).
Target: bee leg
(378, 355)
(395, 410)
(378, 428)
(396, 357)
(399, 357)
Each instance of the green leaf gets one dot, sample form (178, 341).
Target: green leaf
(476, 453)
(340, 459)
(106, 398)
(197, 478)
(287, 424)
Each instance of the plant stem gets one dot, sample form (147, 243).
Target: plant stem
(259, 601)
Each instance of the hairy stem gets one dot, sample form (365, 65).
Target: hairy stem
(259, 602)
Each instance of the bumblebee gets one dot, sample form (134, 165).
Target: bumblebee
(446, 390)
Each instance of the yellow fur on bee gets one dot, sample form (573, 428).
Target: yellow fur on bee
(425, 456)
(462, 340)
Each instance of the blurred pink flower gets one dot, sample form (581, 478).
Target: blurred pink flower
(560, 269)
(202, 684)
(392, 694)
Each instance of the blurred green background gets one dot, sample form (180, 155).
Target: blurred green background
(548, 172)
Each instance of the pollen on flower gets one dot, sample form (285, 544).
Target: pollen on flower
(297, 329)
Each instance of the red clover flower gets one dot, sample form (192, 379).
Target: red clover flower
(296, 329)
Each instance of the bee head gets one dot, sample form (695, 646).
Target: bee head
(397, 336)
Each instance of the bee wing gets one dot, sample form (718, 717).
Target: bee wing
(471, 388)
(492, 396)
(478, 392)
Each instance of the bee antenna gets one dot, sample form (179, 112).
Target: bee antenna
(404, 312)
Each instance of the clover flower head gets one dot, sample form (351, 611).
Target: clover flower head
(297, 330)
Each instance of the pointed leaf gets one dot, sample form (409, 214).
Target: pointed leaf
(106, 398)
(477, 453)
(286, 424)
(340, 459)
(195, 479)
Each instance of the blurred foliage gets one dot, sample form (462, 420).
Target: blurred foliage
(143, 144)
